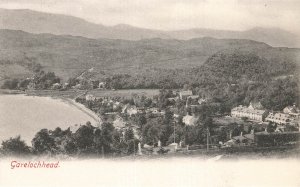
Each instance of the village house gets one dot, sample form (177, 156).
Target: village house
(183, 95)
(77, 86)
(119, 122)
(173, 99)
(116, 105)
(201, 101)
(293, 111)
(193, 97)
(130, 110)
(90, 97)
(241, 140)
(31, 86)
(101, 85)
(279, 118)
(155, 111)
(56, 86)
(190, 120)
(252, 112)
(66, 85)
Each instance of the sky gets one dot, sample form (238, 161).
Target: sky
(175, 14)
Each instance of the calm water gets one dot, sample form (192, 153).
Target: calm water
(26, 115)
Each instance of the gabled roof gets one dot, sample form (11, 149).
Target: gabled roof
(255, 105)
(291, 109)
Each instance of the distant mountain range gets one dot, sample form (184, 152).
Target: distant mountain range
(39, 22)
(69, 56)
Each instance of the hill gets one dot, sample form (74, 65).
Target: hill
(272, 36)
(69, 56)
(39, 22)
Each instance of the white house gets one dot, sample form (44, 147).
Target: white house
(279, 118)
(119, 122)
(90, 97)
(101, 85)
(252, 112)
(185, 94)
(190, 120)
(293, 111)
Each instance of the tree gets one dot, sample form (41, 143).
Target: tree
(72, 82)
(69, 146)
(15, 146)
(10, 84)
(104, 138)
(98, 141)
(43, 142)
(84, 138)
(271, 128)
(132, 146)
(195, 135)
(24, 83)
(153, 134)
(129, 134)
(140, 119)
(244, 119)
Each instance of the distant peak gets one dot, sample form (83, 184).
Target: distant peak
(122, 26)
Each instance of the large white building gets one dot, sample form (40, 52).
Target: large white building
(290, 115)
(279, 118)
(253, 112)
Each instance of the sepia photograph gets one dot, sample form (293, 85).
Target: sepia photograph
(145, 93)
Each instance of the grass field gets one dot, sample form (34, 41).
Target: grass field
(71, 94)
(124, 93)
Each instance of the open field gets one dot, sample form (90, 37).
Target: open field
(97, 93)
(125, 93)
(71, 94)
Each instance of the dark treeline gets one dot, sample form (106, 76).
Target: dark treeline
(87, 140)
(40, 80)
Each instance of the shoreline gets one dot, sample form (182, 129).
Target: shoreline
(82, 108)
(66, 100)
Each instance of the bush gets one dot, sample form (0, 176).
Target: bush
(15, 147)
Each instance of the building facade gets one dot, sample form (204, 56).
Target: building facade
(249, 112)
(279, 118)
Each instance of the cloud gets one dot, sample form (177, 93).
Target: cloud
(175, 14)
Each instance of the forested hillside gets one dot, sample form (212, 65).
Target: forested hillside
(69, 56)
